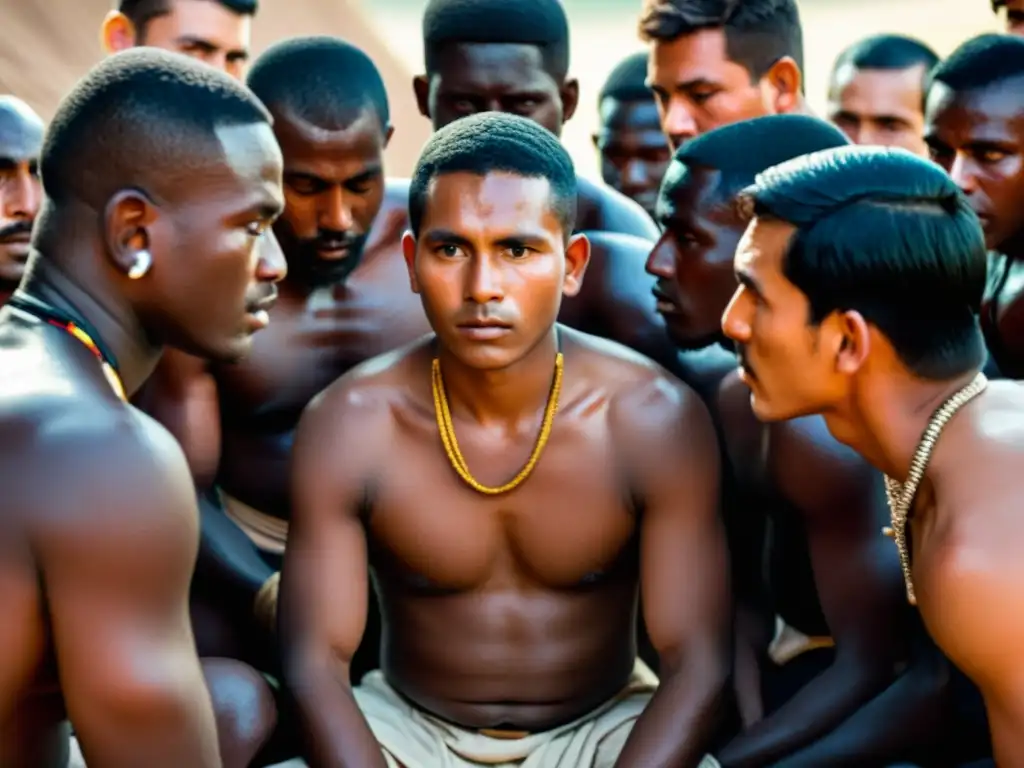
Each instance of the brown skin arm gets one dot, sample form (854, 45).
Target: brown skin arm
(859, 583)
(672, 456)
(322, 609)
(116, 541)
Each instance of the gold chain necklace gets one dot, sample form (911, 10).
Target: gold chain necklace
(451, 445)
(901, 495)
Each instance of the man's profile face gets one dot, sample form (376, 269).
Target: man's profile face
(693, 260)
(21, 139)
(881, 107)
(333, 189)
(491, 77)
(491, 265)
(978, 137)
(215, 255)
(204, 30)
(784, 358)
(1014, 17)
(698, 88)
(633, 150)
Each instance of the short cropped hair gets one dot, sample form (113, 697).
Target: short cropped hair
(628, 81)
(322, 81)
(141, 12)
(887, 52)
(144, 119)
(740, 151)
(757, 32)
(981, 62)
(495, 142)
(541, 23)
(890, 235)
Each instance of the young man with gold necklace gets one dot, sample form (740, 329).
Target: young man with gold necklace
(863, 270)
(508, 605)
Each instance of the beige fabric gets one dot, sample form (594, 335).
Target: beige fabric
(412, 738)
(267, 532)
(789, 643)
(77, 761)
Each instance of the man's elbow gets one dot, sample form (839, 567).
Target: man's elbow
(704, 673)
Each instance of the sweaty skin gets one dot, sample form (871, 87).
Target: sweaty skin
(879, 106)
(21, 139)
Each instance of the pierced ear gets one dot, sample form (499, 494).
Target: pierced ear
(853, 342)
(570, 94)
(128, 218)
(421, 88)
(785, 79)
(117, 33)
(577, 257)
(388, 133)
(409, 253)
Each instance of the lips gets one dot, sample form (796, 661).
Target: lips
(264, 304)
(664, 302)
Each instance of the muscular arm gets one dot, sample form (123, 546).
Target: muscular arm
(857, 574)
(116, 543)
(324, 580)
(673, 459)
(182, 395)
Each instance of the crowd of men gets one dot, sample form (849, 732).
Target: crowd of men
(710, 465)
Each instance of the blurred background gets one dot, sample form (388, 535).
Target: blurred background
(46, 44)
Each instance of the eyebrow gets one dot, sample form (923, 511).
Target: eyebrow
(687, 85)
(516, 239)
(749, 283)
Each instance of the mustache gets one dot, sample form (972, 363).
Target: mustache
(327, 239)
(741, 353)
(15, 229)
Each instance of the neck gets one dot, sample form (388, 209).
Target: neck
(118, 327)
(501, 396)
(6, 289)
(885, 420)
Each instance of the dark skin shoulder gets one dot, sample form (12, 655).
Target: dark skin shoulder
(841, 503)
(104, 574)
(604, 209)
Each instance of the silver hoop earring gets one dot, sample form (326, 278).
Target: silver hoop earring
(143, 261)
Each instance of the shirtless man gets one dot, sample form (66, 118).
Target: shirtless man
(128, 255)
(840, 245)
(508, 617)
(21, 139)
(1014, 15)
(215, 31)
(629, 141)
(876, 91)
(713, 62)
(831, 576)
(974, 127)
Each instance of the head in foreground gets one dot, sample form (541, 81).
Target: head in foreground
(161, 180)
(492, 206)
(332, 122)
(217, 32)
(702, 224)
(496, 56)
(860, 265)
(21, 139)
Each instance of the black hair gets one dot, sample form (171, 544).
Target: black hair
(141, 12)
(143, 119)
(742, 150)
(322, 81)
(757, 32)
(890, 235)
(887, 52)
(981, 62)
(495, 142)
(541, 23)
(997, 4)
(628, 81)
(20, 126)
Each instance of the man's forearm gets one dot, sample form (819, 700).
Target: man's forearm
(228, 560)
(813, 712)
(679, 722)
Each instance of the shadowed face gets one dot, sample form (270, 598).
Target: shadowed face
(978, 137)
(634, 152)
(491, 264)
(693, 260)
(1014, 17)
(204, 30)
(880, 107)
(333, 187)
(21, 139)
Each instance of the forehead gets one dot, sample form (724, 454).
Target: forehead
(464, 202)
(491, 67)
(700, 55)
(762, 250)
(21, 132)
(252, 165)
(991, 112)
(633, 114)
(689, 192)
(204, 20)
(301, 142)
(878, 90)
